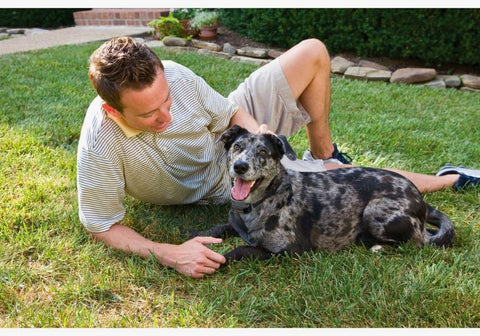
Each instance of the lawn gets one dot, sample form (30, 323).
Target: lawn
(53, 275)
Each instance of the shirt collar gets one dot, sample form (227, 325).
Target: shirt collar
(127, 130)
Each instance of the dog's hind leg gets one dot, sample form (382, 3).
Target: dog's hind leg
(386, 222)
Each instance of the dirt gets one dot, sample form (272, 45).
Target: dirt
(225, 35)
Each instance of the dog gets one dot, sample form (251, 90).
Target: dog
(276, 210)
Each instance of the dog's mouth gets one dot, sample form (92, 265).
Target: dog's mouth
(241, 188)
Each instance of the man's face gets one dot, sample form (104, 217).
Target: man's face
(148, 109)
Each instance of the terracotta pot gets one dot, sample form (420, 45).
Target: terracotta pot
(208, 33)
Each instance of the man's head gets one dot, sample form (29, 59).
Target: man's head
(119, 64)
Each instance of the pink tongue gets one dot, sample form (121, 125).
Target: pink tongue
(240, 189)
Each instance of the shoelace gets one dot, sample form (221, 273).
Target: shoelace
(344, 158)
(341, 156)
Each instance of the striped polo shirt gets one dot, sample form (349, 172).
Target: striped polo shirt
(182, 165)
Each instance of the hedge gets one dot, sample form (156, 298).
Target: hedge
(37, 17)
(435, 36)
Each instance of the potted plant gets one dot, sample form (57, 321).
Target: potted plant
(206, 23)
(185, 16)
(166, 26)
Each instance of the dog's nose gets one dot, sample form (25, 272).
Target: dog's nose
(240, 167)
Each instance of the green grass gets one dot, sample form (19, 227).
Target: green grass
(53, 275)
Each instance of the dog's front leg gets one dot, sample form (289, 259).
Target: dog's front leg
(218, 231)
(248, 252)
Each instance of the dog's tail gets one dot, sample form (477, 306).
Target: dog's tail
(445, 233)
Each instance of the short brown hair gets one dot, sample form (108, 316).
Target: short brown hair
(122, 63)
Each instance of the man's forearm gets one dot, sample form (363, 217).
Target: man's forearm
(128, 240)
(244, 119)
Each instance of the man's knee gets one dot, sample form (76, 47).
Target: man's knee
(316, 47)
(316, 51)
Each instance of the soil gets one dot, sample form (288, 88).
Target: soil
(225, 35)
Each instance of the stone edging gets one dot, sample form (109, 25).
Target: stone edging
(340, 66)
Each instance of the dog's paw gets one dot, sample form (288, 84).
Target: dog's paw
(191, 233)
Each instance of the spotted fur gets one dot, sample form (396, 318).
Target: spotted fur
(290, 211)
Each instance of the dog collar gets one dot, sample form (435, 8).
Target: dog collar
(241, 206)
(245, 207)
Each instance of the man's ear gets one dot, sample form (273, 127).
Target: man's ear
(110, 110)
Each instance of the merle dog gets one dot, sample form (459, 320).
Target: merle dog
(276, 210)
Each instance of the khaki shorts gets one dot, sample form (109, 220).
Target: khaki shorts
(266, 95)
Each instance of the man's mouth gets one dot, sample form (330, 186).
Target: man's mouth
(161, 127)
(241, 188)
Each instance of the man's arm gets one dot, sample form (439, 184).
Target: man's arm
(191, 258)
(244, 119)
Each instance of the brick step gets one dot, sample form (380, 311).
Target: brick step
(118, 17)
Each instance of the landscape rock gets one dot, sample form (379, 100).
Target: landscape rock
(366, 73)
(451, 81)
(206, 45)
(172, 41)
(14, 31)
(229, 49)
(34, 31)
(471, 81)
(155, 44)
(370, 64)
(339, 65)
(214, 53)
(275, 53)
(469, 89)
(182, 49)
(437, 83)
(253, 52)
(413, 75)
(250, 60)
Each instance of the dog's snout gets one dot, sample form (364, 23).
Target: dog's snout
(240, 167)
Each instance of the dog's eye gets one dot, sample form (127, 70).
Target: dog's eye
(262, 153)
(236, 147)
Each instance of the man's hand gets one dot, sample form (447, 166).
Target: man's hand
(263, 129)
(194, 259)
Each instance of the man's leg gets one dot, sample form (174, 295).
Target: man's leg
(424, 183)
(307, 69)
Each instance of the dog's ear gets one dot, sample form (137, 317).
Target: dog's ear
(289, 152)
(282, 146)
(230, 135)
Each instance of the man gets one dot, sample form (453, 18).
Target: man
(152, 133)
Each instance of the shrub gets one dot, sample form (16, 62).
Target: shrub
(37, 17)
(432, 35)
(166, 26)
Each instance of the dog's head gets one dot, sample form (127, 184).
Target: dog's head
(254, 160)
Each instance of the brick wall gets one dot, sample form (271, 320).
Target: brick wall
(118, 17)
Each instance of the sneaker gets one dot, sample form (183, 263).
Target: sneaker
(467, 176)
(337, 157)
